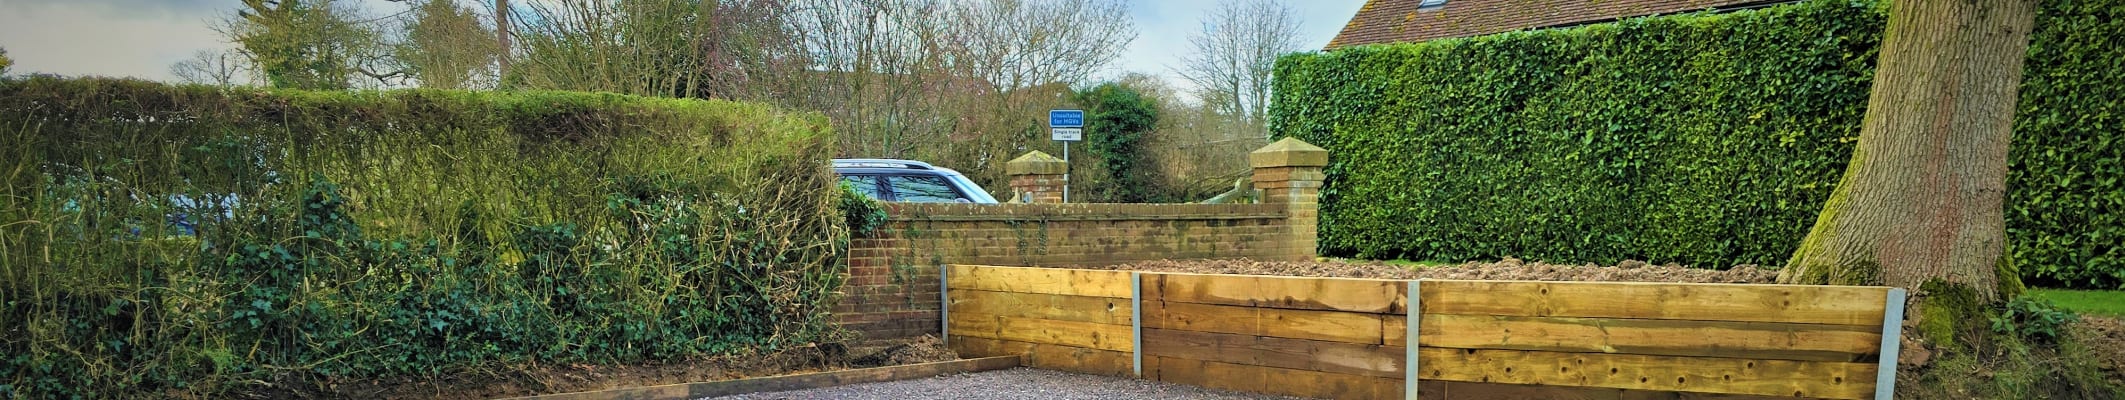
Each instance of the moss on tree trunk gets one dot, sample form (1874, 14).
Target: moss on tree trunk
(1948, 311)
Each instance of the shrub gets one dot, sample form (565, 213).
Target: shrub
(1117, 117)
(160, 240)
(2033, 319)
(1703, 139)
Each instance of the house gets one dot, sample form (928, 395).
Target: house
(1395, 21)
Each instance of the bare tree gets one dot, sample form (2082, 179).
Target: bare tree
(312, 44)
(1029, 53)
(605, 45)
(959, 82)
(683, 48)
(1199, 150)
(955, 82)
(1017, 43)
(223, 68)
(878, 73)
(446, 46)
(501, 35)
(1235, 53)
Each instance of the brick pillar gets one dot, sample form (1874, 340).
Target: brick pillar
(1036, 175)
(1289, 172)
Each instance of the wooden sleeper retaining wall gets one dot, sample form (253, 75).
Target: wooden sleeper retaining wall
(1349, 338)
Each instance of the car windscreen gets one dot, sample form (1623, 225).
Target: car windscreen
(924, 189)
(974, 191)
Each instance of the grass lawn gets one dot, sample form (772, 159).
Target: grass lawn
(2103, 302)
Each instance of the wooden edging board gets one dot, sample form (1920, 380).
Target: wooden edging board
(689, 391)
(1375, 330)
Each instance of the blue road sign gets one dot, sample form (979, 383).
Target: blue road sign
(1066, 118)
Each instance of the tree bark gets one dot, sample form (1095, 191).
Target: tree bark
(501, 35)
(1921, 201)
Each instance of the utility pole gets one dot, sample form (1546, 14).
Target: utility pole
(501, 32)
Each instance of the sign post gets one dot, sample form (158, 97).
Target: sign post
(1066, 126)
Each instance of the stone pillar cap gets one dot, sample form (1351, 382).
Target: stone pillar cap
(1290, 152)
(1035, 163)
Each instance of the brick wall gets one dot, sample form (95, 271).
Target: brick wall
(892, 287)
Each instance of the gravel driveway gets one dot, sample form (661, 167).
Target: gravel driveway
(1016, 383)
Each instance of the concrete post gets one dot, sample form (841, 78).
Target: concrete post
(1036, 178)
(1288, 172)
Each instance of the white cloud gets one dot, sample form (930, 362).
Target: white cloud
(119, 38)
(99, 38)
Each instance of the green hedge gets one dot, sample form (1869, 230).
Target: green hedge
(2066, 166)
(193, 241)
(1704, 139)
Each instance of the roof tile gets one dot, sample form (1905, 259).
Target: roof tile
(1390, 21)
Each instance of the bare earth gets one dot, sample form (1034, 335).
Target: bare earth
(1508, 269)
(2105, 338)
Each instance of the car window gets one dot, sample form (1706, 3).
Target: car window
(867, 185)
(924, 189)
(972, 190)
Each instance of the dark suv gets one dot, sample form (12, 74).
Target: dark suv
(909, 181)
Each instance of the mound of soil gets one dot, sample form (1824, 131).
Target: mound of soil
(498, 383)
(1507, 269)
(924, 349)
(2105, 338)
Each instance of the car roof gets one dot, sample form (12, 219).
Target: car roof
(893, 167)
(885, 166)
(885, 163)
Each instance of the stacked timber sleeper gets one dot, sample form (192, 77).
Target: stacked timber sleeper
(1347, 338)
(1059, 319)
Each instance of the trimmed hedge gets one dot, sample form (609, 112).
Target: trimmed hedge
(195, 241)
(2066, 167)
(1703, 139)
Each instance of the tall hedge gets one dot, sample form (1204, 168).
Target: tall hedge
(193, 241)
(1704, 139)
(2066, 165)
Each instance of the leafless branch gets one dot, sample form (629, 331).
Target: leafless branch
(1234, 55)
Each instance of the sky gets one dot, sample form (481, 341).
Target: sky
(141, 38)
(1163, 28)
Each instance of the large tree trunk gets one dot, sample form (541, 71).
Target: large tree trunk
(1921, 201)
(501, 35)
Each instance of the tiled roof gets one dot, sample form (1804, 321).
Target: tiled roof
(1390, 21)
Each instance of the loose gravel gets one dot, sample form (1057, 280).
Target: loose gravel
(1016, 383)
